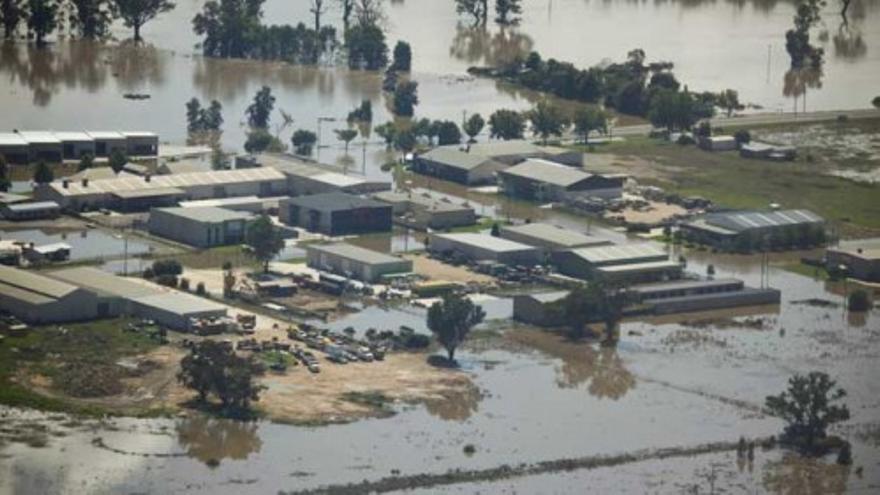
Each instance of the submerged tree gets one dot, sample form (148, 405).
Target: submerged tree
(474, 126)
(478, 10)
(12, 12)
(136, 13)
(43, 19)
(452, 319)
(92, 18)
(809, 407)
(346, 136)
(507, 12)
(259, 111)
(229, 26)
(366, 47)
(447, 132)
(402, 60)
(303, 141)
(406, 97)
(264, 240)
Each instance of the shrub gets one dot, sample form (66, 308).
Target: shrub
(858, 301)
(148, 273)
(167, 280)
(184, 283)
(167, 267)
(742, 137)
(200, 289)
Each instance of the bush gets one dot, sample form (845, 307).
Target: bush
(167, 280)
(148, 273)
(742, 137)
(858, 301)
(167, 267)
(200, 289)
(416, 341)
(184, 284)
(844, 456)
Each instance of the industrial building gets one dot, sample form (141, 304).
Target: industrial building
(624, 264)
(306, 177)
(484, 247)
(748, 230)
(250, 204)
(141, 193)
(542, 180)
(23, 147)
(550, 238)
(356, 262)
(425, 209)
(513, 151)
(203, 227)
(336, 214)
(862, 263)
(456, 165)
(36, 298)
(182, 167)
(701, 295)
(30, 210)
(538, 309)
(75, 145)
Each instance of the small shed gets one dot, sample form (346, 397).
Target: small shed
(30, 210)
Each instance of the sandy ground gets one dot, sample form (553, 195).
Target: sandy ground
(435, 270)
(655, 213)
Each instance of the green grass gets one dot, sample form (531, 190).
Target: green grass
(47, 351)
(813, 272)
(215, 258)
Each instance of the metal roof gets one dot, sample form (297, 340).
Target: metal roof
(208, 178)
(549, 233)
(549, 297)
(209, 214)
(507, 148)
(31, 287)
(640, 267)
(452, 156)
(104, 283)
(221, 202)
(34, 206)
(334, 201)
(180, 303)
(97, 173)
(106, 135)
(621, 253)
(72, 137)
(353, 252)
(337, 179)
(746, 220)
(51, 248)
(687, 285)
(139, 134)
(149, 193)
(425, 199)
(184, 167)
(9, 198)
(486, 241)
(547, 172)
(39, 137)
(12, 139)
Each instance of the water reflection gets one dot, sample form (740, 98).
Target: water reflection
(477, 45)
(212, 440)
(796, 82)
(797, 475)
(455, 405)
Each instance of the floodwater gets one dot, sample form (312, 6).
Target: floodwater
(45, 88)
(86, 244)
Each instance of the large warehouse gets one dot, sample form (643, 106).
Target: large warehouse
(23, 147)
(336, 214)
(356, 262)
(484, 247)
(38, 299)
(542, 180)
(537, 309)
(751, 230)
(456, 165)
(627, 263)
(133, 193)
(424, 209)
(200, 227)
(305, 177)
(550, 238)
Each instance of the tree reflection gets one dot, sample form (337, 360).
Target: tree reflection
(796, 82)
(210, 440)
(455, 405)
(602, 368)
(476, 45)
(848, 41)
(798, 475)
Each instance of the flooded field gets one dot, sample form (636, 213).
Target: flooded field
(89, 244)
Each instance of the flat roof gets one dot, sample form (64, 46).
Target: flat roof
(74, 136)
(103, 283)
(136, 183)
(10, 198)
(869, 253)
(425, 199)
(510, 147)
(34, 206)
(210, 214)
(180, 303)
(149, 193)
(453, 156)
(740, 221)
(486, 241)
(335, 201)
(639, 267)
(686, 285)
(554, 234)
(548, 297)
(547, 172)
(337, 179)
(184, 166)
(221, 202)
(97, 173)
(12, 139)
(32, 287)
(353, 252)
(140, 134)
(106, 135)
(39, 137)
(619, 253)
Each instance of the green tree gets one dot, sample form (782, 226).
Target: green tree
(729, 101)
(5, 183)
(12, 12)
(404, 140)
(876, 102)
(43, 174)
(347, 7)
(547, 119)
(361, 114)
(259, 111)
(136, 13)
(406, 97)
(587, 120)
(506, 124)
(448, 133)
(304, 141)
(260, 140)
(212, 368)
(387, 132)
(366, 47)
(346, 136)
(229, 27)
(402, 60)
(496, 230)
(473, 126)
(674, 111)
(264, 240)
(219, 160)
(194, 115)
(809, 407)
(86, 162)
(118, 160)
(92, 18)
(452, 319)
(42, 19)
(858, 301)
(507, 12)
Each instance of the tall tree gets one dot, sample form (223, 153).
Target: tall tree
(387, 132)
(5, 183)
(12, 12)
(346, 136)
(478, 10)
(672, 110)
(85, 163)
(118, 160)
(547, 119)
(366, 47)
(369, 12)
(136, 13)
(587, 120)
(43, 174)
(406, 97)
(212, 368)
(347, 7)
(92, 18)
(264, 240)
(506, 124)
(229, 26)
(729, 101)
(260, 109)
(194, 115)
(317, 8)
(451, 319)
(507, 12)
(809, 407)
(473, 126)
(43, 19)
(402, 60)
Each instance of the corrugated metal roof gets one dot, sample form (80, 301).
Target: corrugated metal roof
(353, 252)
(452, 156)
(547, 172)
(72, 137)
(210, 214)
(485, 241)
(334, 201)
(553, 234)
(180, 303)
(745, 220)
(184, 167)
(639, 267)
(149, 193)
(34, 283)
(103, 283)
(106, 135)
(98, 173)
(207, 178)
(221, 202)
(507, 148)
(686, 285)
(34, 206)
(39, 137)
(619, 253)
(12, 139)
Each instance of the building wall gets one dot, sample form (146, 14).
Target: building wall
(745, 297)
(444, 219)
(11, 214)
(525, 256)
(642, 276)
(365, 272)
(142, 146)
(441, 170)
(15, 155)
(74, 150)
(171, 319)
(196, 233)
(105, 147)
(45, 152)
(78, 306)
(529, 310)
(858, 267)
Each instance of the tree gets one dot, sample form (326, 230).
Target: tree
(346, 135)
(303, 141)
(742, 136)
(212, 368)
(43, 174)
(5, 183)
(547, 119)
(447, 133)
(368, 12)
(477, 9)
(672, 110)
(797, 40)
(366, 47)
(259, 111)
(858, 301)
(219, 160)
(86, 162)
(402, 60)
(92, 18)
(406, 97)
(347, 7)
(876, 102)
(808, 406)
(200, 119)
(264, 240)
(507, 12)
(473, 126)
(260, 140)
(495, 231)
(136, 13)
(12, 12)
(387, 131)
(118, 160)
(729, 101)
(229, 26)
(506, 124)
(452, 319)
(317, 8)
(404, 140)
(43, 19)
(587, 120)
(361, 114)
